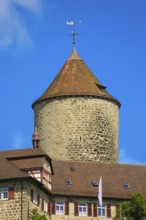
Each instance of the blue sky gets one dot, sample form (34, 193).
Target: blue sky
(34, 45)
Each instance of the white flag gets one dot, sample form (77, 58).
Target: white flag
(100, 192)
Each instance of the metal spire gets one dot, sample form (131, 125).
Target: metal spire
(74, 38)
(73, 32)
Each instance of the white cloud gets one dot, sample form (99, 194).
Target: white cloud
(13, 28)
(123, 159)
(33, 5)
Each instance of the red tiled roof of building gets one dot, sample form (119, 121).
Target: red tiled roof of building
(75, 78)
(114, 176)
(27, 152)
(10, 171)
(12, 162)
(29, 163)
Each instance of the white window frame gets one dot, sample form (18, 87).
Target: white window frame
(102, 211)
(45, 206)
(82, 209)
(35, 197)
(59, 208)
(4, 193)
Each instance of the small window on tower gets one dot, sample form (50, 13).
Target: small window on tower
(102, 88)
(68, 182)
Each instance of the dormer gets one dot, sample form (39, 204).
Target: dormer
(36, 163)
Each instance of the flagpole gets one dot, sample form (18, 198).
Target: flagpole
(100, 192)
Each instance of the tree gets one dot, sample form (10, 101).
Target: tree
(36, 216)
(134, 209)
(126, 210)
(137, 206)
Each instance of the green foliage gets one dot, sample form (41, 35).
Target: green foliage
(125, 210)
(36, 216)
(137, 205)
(118, 214)
(134, 209)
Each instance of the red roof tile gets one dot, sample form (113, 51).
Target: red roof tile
(12, 161)
(29, 163)
(113, 176)
(75, 78)
(27, 152)
(10, 171)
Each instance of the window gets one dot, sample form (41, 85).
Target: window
(95, 183)
(126, 186)
(45, 206)
(102, 211)
(102, 88)
(3, 193)
(68, 182)
(83, 209)
(59, 207)
(35, 197)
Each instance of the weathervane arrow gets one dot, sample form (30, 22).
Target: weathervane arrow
(73, 33)
(70, 23)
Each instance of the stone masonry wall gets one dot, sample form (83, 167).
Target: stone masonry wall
(12, 209)
(20, 207)
(78, 128)
(42, 196)
(71, 215)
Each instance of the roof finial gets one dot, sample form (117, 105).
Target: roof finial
(73, 32)
(35, 139)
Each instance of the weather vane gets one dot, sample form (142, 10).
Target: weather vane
(73, 32)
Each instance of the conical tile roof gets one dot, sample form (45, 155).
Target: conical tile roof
(75, 78)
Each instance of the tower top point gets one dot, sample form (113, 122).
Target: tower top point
(73, 32)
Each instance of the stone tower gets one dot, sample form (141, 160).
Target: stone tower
(76, 118)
